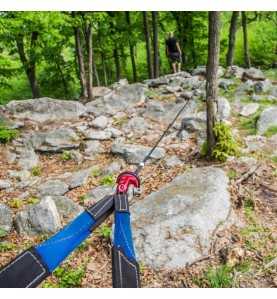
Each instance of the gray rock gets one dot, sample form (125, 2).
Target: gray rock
(125, 96)
(267, 119)
(112, 168)
(255, 143)
(100, 91)
(5, 184)
(66, 207)
(225, 83)
(223, 108)
(254, 74)
(172, 162)
(41, 218)
(138, 125)
(115, 132)
(234, 71)
(193, 124)
(27, 157)
(46, 109)
(98, 135)
(201, 70)
(5, 218)
(249, 109)
(262, 86)
(93, 147)
(134, 153)
(77, 156)
(99, 192)
(78, 178)
(53, 187)
(175, 226)
(245, 88)
(21, 176)
(100, 122)
(55, 141)
(156, 82)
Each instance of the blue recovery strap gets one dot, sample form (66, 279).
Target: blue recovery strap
(54, 250)
(123, 234)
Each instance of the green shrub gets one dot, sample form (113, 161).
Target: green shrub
(66, 156)
(221, 277)
(6, 134)
(68, 277)
(3, 233)
(108, 180)
(225, 144)
(105, 231)
(6, 246)
(96, 172)
(16, 203)
(271, 131)
(36, 171)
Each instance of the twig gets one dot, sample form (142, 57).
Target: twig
(246, 175)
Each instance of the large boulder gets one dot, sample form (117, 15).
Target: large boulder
(79, 178)
(175, 226)
(27, 157)
(267, 119)
(223, 108)
(253, 74)
(55, 141)
(5, 219)
(201, 70)
(249, 109)
(134, 153)
(46, 109)
(53, 187)
(41, 218)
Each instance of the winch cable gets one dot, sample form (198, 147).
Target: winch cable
(148, 156)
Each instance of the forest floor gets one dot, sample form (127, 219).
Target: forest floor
(243, 256)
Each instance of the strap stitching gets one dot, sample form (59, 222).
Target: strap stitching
(34, 258)
(134, 266)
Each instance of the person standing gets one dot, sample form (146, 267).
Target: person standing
(173, 52)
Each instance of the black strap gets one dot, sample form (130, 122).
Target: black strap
(124, 271)
(26, 271)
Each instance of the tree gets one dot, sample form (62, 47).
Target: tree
(245, 40)
(131, 46)
(211, 83)
(147, 45)
(232, 38)
(155, 43)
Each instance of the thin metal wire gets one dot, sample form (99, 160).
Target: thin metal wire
(142, 163)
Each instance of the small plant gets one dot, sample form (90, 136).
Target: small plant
(6, 134)
(6, 246)
(107, 180)
(250, 123)
(49, 285)
(221, 277)
(32, 200)
(66, 156)
(225, 144)
(83, 246)
(36, 171)
(96, 172)
(271, 131)
(105, 231)
(274, 159)
(232, 174)
(16, 203)
(82, 198)
(3, 233)
(68, 277)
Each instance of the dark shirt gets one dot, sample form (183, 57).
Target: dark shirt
(171, 44)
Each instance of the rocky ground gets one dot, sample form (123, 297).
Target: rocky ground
(195, 223)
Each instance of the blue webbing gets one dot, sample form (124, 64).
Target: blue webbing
(54, 250)
(123, 235)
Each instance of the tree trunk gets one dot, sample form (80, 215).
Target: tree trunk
(104, 69)
(232, 38)
(29, 65)
(89, 62)
(81, 65)
(211, 84)
(245, 40)
(147, 44)
(117, 64)
(131, 46)
(155, 43)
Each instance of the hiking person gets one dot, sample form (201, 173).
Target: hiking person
(173, 52)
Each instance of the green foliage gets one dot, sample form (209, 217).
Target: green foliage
(3, 233)
(66, 156)
(232, 174)
(225, 144)
(16, 203)
(108, 180)
(6, 246)
(36, 171)
(271, 131)
(221, 277)
(96, 172)
(274, 159)
(250, 123)
(68, 277)
(6, 134)
(32, 200)
(105, 231)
